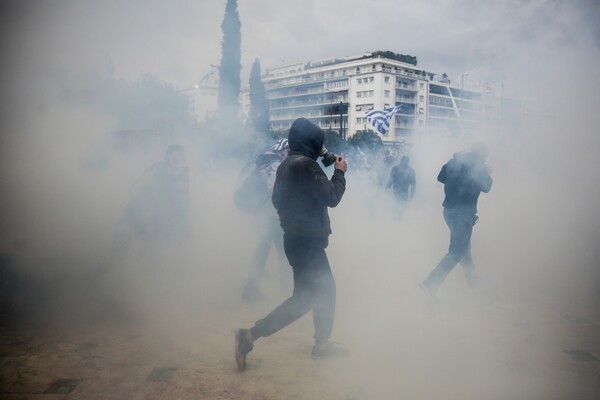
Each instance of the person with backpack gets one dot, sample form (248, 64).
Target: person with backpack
(464, 177)
(256, 197)
(301, 195)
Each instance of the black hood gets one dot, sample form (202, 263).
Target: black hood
(306, 138)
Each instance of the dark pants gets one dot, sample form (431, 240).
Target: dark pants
(314, 289)
(460, 221)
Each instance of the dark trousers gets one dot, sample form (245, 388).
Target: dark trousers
(460, 221)
(314, 289)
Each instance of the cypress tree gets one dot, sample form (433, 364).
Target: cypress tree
(259, 105)
(229, 70)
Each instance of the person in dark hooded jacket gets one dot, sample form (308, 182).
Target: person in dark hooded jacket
(464, 177)
(301, 194)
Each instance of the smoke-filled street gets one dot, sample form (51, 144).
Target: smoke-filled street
(246, 200)
(488, 350)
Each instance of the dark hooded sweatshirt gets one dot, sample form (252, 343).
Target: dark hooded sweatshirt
(302, 191)
(464, 177)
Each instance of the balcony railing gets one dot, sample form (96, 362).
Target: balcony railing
(310, 92)
(321, 103)
(300, 80)
(404, 125)
(406, 99)
(405, 86)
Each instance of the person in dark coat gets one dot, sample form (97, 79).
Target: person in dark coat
(402, 181)
(301, 194)
(464, 177)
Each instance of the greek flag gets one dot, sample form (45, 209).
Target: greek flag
(380, 119)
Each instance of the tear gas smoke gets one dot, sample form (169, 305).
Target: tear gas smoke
(76, 137)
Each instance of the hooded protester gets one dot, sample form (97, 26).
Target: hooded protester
(464, 177)
(301, 194)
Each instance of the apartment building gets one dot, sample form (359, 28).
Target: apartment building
(337, 93)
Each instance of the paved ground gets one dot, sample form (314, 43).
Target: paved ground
(489, 350)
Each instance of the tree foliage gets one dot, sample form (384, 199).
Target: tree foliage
(229, 70)
(396, 56)
(259, 104)
(366, 139)
(334, 141)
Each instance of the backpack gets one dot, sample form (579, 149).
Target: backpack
(251, 193)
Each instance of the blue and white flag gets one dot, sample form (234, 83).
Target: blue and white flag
(380, 119)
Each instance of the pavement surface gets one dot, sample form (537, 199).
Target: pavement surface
(494, 350)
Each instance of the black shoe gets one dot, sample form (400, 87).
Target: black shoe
(430, 293)
(242, 348)
(328, 350)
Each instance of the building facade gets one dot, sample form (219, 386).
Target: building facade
(337, 93)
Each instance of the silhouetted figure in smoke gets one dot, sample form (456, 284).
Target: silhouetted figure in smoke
(268, 230)
(159, 210)
(464, 177)
(301, 195)
(402, 181)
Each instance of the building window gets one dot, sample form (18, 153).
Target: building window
(367, 79)
(386, 93)
(422, 85)
(421, 98)
(386, 79)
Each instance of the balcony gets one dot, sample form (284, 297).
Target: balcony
(406, 99)
(309, 92)
(310, 104)
(305, 80)
(406, 87)
(404, 125)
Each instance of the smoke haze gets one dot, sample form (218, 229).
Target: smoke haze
(83, 80)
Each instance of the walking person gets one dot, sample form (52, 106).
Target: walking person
(464, 177)
(402, 181)
(302, 193)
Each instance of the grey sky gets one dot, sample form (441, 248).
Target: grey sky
(179, 40)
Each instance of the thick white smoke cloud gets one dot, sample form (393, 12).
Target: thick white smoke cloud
(65, 186)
